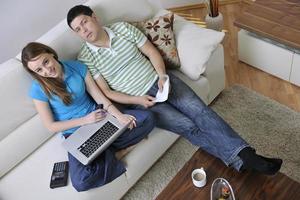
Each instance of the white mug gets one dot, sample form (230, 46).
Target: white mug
(199, 177)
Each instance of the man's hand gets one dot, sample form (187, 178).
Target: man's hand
(127, 119)
(145, 100)
(161, 81)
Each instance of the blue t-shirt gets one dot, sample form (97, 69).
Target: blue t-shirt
(82, 104)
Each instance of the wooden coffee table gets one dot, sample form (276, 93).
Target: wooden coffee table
(246, 185)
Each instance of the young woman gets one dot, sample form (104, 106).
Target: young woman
(65, 96)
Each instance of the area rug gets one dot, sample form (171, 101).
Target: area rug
(271, 128)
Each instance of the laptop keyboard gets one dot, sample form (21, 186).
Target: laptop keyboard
(98, 139)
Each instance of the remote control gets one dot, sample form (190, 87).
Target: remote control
(99, 106)
(60, 172)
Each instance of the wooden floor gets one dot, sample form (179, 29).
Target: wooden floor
(241, 73)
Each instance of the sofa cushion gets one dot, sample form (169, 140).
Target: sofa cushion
(16, 107)
(195, 46)
(159, 31)
(21, 130)
(30, 180)
(200, 86)
(138, 163)
(21, 142)
(62, 39)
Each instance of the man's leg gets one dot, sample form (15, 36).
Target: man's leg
(214, 135)
(171, 119)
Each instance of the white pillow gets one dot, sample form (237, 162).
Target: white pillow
(195, 46)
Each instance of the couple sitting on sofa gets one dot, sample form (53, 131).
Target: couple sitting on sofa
(127, 69)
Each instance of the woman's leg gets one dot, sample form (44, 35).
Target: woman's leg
(105, 168)
(145, 122)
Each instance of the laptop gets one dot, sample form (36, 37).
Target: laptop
(88, 141)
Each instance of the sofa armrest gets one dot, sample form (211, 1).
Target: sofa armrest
(215, 73)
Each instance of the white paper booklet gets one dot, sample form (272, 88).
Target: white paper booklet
(163, 96)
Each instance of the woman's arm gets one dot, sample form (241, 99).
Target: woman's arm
(99, 97)
(56, 126)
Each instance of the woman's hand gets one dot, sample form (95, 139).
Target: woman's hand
(127, 119)
(95, 116)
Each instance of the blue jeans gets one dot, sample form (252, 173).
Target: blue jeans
(105, 168)
(185, 113)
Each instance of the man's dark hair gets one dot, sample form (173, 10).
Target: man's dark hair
(76, 11)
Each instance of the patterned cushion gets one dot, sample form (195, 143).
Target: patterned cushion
(159, 31)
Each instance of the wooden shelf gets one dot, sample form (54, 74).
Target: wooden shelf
(277, 20)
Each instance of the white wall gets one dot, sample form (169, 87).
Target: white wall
(178, 3)
(25, 21)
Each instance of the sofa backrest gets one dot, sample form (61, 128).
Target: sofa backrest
(67, 44)
(21, 130)
(110, 11)
(14, 87)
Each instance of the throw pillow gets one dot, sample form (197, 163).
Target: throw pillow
(195, 46)
(159, 31)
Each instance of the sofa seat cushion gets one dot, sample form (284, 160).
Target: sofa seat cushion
(31, 178)
(34, 173)
(152, 148)
(200, 86)
(21, 142)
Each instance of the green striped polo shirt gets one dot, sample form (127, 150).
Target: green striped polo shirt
(123, 66)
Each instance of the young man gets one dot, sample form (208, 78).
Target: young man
(116, 56)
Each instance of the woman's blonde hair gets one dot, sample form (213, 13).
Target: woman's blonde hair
(50, 85)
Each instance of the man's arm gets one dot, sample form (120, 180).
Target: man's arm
(155, 58)
(98, 96)
(119, 97)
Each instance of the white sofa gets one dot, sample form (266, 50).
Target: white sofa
(28, 150)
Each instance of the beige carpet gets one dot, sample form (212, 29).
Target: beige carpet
(273, 129)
